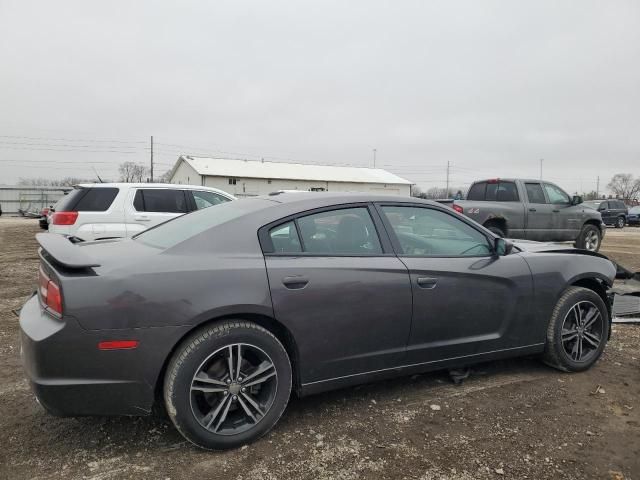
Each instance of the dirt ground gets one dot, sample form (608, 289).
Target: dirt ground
(512, 419)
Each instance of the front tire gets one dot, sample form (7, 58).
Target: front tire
(227, 384)
(590, 238)
(578, 330)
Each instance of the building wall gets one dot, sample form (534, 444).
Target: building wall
(259, 186)
(186, 175)
(29, 199)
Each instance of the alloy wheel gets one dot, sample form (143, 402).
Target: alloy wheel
(591, 240)
(620, 222)
(582, 331)
(233, 389)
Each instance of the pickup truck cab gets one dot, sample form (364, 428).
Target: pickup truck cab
(532, 210)
(118, 210)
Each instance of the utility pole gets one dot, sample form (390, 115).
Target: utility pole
(598, 188)
(151, 158)
(541, 160)
(374, 158)
(448, 167)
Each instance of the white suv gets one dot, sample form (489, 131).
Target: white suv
(116, 210)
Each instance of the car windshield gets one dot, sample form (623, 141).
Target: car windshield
(634, 210)
(178, 230)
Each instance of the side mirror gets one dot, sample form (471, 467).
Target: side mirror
(502, 247)
(576, 200)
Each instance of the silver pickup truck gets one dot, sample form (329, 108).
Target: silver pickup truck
(532, 210)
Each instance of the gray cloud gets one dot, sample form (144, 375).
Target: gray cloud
(490, 86)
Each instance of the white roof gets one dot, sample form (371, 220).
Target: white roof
(224, 167)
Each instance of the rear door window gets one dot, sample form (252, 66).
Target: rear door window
(535, 193)
(160, 200)
(347, 231)
(285, 238)
(87, 200)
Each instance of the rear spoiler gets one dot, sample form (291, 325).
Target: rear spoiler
(64, 252)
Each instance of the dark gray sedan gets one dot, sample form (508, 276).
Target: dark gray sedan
(220, 314)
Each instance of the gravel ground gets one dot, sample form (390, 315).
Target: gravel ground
(511, 419)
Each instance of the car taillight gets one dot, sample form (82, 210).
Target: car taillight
(64, 218)
(458, 208)
(49, 291)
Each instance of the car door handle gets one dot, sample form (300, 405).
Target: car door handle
(427, 282)
(555, 211)
(295, 282)
(141, 218)
(532, 210)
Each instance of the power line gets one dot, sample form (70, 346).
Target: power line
(73, 139)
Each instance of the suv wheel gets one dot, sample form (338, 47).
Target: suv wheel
(227, 385)
(578, 330)
(589, 238)
(620, 222)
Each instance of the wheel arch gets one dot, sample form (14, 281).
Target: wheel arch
(281, 332)
(598, 285)
(499, 222)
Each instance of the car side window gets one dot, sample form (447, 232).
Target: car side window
(603, 206)
(428, 232)
(556, 196)
(160, 200)
(535, 193)
(204, 199)
(285, 238)
(347, 231)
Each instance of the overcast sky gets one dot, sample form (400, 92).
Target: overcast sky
(491, 87)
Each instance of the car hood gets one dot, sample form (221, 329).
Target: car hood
(549, 247)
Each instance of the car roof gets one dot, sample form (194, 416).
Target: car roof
(151, 185)
(336, 198)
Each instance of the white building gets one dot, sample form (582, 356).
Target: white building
(250, 177)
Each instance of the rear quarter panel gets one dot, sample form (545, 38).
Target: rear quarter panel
(513, 213)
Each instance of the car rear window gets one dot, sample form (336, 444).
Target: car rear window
(87, 200)
(494, 192)
(476, 192)
(182, 228)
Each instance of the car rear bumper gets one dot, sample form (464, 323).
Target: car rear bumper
(71, 376)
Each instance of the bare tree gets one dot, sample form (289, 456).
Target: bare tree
(48, 182)
(624, 186)
(131, 172)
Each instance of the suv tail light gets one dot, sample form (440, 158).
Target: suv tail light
(64, 218)
(49, 291)
(458, 208)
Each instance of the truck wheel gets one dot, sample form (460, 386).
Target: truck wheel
(620, 222)
(589, 238)
(497, 230)
(578, 330)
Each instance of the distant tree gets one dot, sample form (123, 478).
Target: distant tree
(164, 178)
(624, 186)
(131, 172)
(590, 196)
(416, 191)
(49, 182)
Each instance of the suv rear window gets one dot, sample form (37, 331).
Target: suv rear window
(87, 200)
(160, 200)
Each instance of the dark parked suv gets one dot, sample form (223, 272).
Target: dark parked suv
(614, 212)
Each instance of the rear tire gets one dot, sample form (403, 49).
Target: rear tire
(496, 230)
(590, 238)
(578, 330)
(227, 384)
(620, 222)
